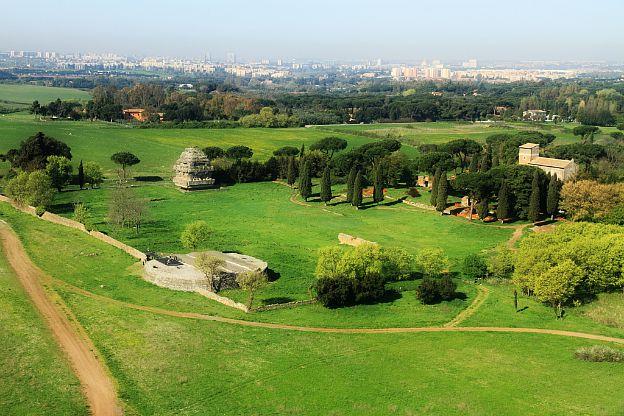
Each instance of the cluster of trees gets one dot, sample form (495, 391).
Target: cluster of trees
(234, 165)
(587, 200)
(574, 262)
(41, 165)
(268, 117)
(348, 276)
(358, 274)
(61, 109)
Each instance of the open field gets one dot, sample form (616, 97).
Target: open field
(35, 375)
(443, 131)
(260, 220)
(158, 149)
(20, 95)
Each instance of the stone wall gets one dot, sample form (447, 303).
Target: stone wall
(24, 208)
(284, 305)
(221, 299)
(57, 219)
(351, 240)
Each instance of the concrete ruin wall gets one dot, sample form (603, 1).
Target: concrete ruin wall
(24, 208)
(221, 299)
(110, 240)
(351, 240)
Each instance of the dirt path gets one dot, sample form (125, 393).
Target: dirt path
(470, 310)
(96, 382)
(517, 234)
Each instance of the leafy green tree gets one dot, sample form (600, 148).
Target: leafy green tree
(93, 174)
(552, 199)
(558, 284)
(435, 184)
(33, 153)
(329, 146)
(59, 169)
(239, 152)
(213, 152)
(195, 235)
(291, 175)
(125, 160)
(483, 207)
(286, 151)
(326, 191)
(351, 183)
(378, 195)
(486, 160)
(81, 175)
(505, 207)
(501, 264)
(475, 266)
(432, 262)
(250, 282)
(31, 188)
(474, 163)
(534, 200)
(442, 194)
(358, 189)
(212, 267)
(82, 214)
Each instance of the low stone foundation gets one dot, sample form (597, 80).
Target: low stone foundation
(350, 240)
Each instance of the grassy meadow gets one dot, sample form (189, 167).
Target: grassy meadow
(21, 95)
(35, 376)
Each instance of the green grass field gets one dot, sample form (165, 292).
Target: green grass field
(443, 131)
(260, 220)
(158, 149)
(35, 377)
(166, 365)
(21, 95)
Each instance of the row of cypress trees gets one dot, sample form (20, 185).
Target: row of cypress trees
(439, 190)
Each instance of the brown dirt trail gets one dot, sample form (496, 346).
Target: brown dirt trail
(94, 378)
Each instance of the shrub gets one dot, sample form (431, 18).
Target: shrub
(413, 192)
(369, 288)
(432, 261)
(433, 290)
(475, 267)
(335, 293)
(600, 353)
(501, 265)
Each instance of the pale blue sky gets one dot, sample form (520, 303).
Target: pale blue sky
(321, 29)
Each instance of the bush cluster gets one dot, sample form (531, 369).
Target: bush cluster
(435, 290)
(600, 353)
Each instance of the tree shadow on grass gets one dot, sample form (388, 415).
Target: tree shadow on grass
(272, 275)
(390, 295)
(64, 208)
(277, 300)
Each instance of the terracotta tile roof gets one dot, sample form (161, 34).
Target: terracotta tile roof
(550, 162)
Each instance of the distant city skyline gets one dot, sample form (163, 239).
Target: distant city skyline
(322, 30)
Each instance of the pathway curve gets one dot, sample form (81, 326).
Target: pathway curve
(95, 379)
(17, 256)
(482, 295)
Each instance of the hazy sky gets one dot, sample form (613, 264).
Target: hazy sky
(321, 29)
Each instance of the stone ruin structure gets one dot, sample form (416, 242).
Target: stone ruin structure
(193, 170)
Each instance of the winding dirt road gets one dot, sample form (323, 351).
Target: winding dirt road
(94, 378)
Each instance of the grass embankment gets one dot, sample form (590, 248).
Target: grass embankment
(35, 377)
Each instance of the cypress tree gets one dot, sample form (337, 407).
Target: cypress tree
(357, 190)
(290, 172)
(495, 160)
(442, 195)
(326, 191)
(434, 186)
(305, 181)
(474, 163)
(504, 202)
(552, 200)
(486, 160)
(350, 183)
(483, 207)
(81, 177)
(378, 195)
(534, 199)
